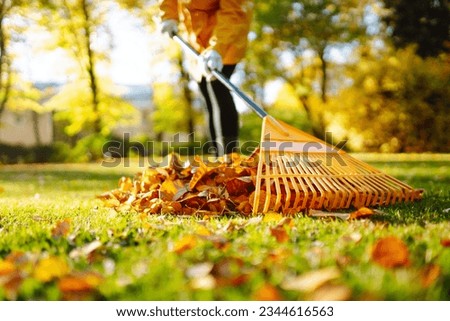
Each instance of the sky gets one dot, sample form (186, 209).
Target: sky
(130, 62)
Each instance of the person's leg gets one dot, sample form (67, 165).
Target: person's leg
(223, 116)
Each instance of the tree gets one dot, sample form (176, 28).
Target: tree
(79, 27)
(424, 23)
(397, 102)
(8, 32)
(165, 51)
(296, 30)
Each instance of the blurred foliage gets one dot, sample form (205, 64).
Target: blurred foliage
(375, 72)
(11, 30)
(293, 40)
(425, 23)
(72, 105)
(397, 102)
(171, 109)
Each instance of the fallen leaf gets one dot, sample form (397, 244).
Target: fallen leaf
(331, 292)
(310, 281)
(430, 274)
(390, 252)
(185, 243)
(202, 230)
(6, 268)
(11, 284)
(267, 292)
(170, 188)
(239, 185)
(287, 222)
(272, 217)
(206, 282)
(85, 250)
(78, 286)
(199, 270)
(280, 234)
(362, 212)
(125, 184)
(332, 215)
(230, 272)
(61, 228)
(50, 268)
(353, 237)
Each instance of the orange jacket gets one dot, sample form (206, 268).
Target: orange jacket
(222, 25)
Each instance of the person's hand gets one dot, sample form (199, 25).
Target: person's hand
(169, 27)
(211, 60)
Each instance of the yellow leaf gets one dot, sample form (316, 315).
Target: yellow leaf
(6, 268)
(202, 230)
(272, 217)
(170, 188)
(185, 243)
(125, 184)
(50, 268)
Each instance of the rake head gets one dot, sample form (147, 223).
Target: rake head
(297, 171)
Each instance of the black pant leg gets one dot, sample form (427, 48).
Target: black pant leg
(224, 132)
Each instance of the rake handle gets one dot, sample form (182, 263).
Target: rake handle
(223, 79)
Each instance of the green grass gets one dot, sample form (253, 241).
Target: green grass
(225, 258)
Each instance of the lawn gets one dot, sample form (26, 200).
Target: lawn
(59, 242)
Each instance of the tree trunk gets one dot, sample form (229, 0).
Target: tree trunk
(5, 65)
(91, 67)
(324, 68)
(37, 134)
(188, 96)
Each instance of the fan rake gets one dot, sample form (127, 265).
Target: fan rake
(297, 171)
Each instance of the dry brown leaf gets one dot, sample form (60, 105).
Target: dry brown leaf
(267, 292)
(61, 228)
(229, 272)
(78, 286)
(280, 234)
(390, 252)
(362, 212)
(200, 172)
(11, 284)
(170, 188)
(125, 184)
(430, 274)
(239, 185)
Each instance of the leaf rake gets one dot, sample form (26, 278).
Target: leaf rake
(297, 171)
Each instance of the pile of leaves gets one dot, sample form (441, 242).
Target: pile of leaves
(188, 188)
